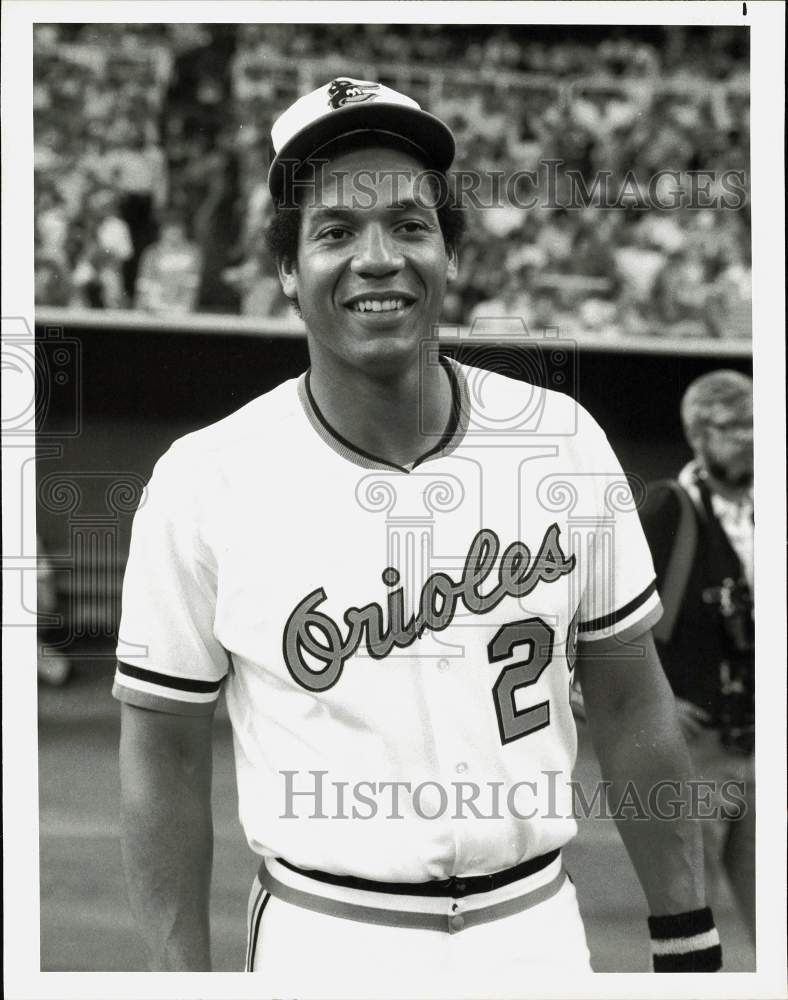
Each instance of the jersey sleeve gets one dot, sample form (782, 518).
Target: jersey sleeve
(620, 599)
(168, 656)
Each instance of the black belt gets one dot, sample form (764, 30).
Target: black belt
(455, 886)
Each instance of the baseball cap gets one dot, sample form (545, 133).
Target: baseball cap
(345, 107)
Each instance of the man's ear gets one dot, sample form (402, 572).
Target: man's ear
(696, 439)
(288, 276)
(697, 443)
(454, 264)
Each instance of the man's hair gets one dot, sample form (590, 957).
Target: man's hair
(724, 387)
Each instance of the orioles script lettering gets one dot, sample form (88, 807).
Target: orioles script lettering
(310, 631)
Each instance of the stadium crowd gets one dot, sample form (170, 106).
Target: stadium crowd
(151, 148)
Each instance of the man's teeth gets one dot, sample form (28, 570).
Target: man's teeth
(378, 305)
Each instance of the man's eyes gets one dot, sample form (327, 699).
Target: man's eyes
(413, 226)
(407, 227)
(333, 233)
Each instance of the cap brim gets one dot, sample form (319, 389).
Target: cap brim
(427, 134)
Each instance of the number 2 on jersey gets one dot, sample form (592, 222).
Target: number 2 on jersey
(513, 723)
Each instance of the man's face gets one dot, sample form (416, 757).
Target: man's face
(372, 266)
(724, 444)
(172, 235)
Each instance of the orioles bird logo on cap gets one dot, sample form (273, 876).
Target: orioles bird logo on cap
(342, 92)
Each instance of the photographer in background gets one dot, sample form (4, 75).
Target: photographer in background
(700, 530)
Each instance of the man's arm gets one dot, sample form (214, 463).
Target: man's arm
(167, 832)
(636, 734)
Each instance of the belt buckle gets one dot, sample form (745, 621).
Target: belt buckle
(471, 884)
(460, 888)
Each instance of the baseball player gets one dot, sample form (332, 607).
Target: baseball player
(392, 566)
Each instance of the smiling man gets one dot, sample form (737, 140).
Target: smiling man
(369, 283)
(393, 565)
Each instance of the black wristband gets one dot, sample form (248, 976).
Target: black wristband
(685, 942)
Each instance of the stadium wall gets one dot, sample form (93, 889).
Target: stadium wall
(116, 389)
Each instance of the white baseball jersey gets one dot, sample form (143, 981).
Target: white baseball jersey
(395, 645)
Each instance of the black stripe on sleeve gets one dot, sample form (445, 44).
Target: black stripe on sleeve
(616, 616)
(705, 960)
(681, 925)
(167, 680)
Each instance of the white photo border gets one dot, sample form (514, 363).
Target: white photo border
(23, 978)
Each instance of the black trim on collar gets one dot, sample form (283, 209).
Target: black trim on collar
(452, 434)
(454, 416)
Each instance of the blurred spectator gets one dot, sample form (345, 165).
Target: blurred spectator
(209, 191)
(680, 293)
(107, 246)
(52, 281)
(729, 303)
(52, 224)
(53, 667)
(555, 237)
(180, 115)
(637, 264)
(592, 252)
(257, 284)
(138, 172)
(94, 162)
(507, 311)
(170, 271)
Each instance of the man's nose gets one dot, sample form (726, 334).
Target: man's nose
(376, 253)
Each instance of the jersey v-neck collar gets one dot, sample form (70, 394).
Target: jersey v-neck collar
(452, 436)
